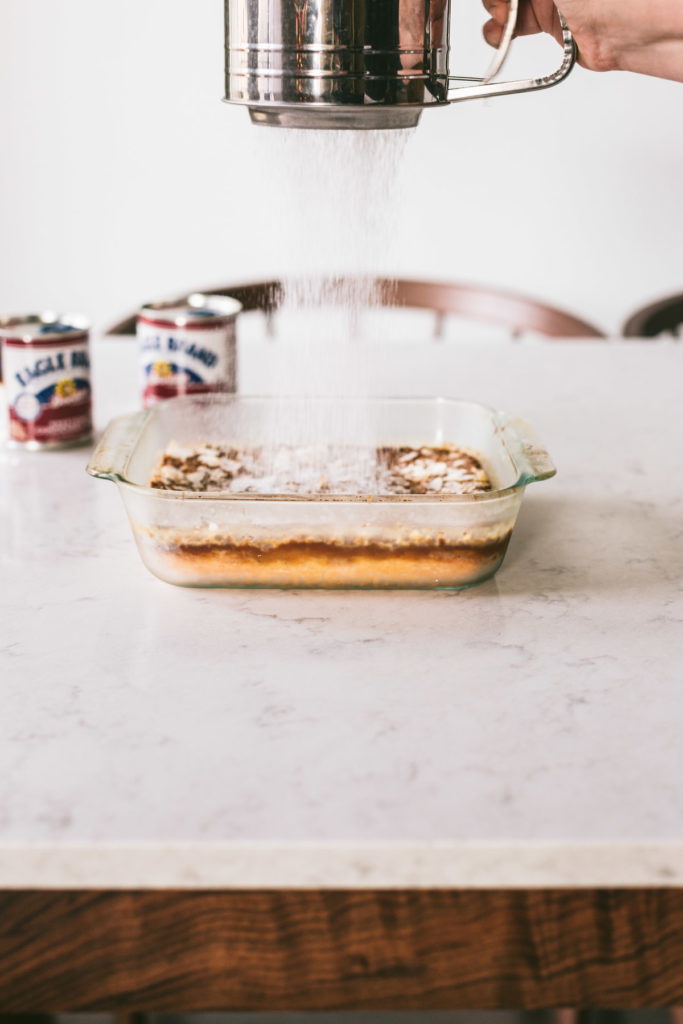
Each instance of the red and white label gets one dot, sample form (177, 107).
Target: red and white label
(185, 360)
(48, 389)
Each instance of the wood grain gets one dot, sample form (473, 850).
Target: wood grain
(326, 950)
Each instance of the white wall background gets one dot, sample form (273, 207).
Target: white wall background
(123, 178)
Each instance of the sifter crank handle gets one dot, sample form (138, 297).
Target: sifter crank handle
(488, 88)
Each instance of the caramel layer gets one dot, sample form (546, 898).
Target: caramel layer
(318, 564)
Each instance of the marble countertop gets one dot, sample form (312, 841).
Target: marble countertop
(524, 733)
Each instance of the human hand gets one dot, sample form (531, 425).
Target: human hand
(645, 36)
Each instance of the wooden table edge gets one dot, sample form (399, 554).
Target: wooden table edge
(339, 949)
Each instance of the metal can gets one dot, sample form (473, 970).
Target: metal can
(188, 348)
(46, 372)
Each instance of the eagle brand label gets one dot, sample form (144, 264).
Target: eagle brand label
(175, 360)
(48, 389)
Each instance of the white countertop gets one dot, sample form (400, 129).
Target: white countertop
(525, 732)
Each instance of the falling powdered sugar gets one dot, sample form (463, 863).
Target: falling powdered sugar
(337, 198)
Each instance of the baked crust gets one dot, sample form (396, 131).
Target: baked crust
(330, 564)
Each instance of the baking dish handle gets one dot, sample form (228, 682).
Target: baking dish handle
(110, 458)
(528, 451)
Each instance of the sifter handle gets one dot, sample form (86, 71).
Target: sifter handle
(488, 88)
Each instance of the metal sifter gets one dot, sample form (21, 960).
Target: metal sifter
(355, 63)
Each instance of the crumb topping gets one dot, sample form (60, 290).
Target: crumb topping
(445, 469)
(431, 470)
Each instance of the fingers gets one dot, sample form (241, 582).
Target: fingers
(493, 29)
(493, 33)
(527, 22)
(498, 9)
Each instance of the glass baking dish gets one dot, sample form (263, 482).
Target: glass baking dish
(221, 539)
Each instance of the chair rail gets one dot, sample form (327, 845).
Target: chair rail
(497, 306)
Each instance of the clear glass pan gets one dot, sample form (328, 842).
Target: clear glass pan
(369, 541)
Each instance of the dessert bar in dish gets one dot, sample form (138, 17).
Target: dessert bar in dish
(428, 500)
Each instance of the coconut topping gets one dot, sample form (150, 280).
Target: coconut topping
(431, 470)
(428, 470)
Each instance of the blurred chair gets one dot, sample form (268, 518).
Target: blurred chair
(516, 313)
(659, 319)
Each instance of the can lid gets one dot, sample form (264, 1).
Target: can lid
(42, 326)
(198, 309)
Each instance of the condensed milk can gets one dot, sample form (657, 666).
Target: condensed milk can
(46, 373)
(188, 347)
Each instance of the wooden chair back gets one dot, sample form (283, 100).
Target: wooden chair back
(515, 312)
(658, 318)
